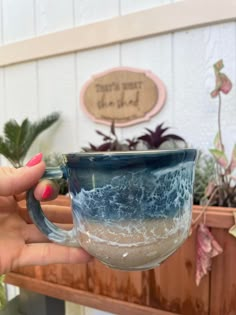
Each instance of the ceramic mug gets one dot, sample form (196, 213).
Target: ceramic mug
(131, 210)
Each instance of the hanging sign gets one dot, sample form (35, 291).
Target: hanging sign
(124, 95)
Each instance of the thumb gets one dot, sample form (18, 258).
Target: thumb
(15, 181)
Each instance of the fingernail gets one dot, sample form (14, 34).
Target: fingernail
(35, 160)
(47, 193)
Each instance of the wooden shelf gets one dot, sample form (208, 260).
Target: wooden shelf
(166, 290)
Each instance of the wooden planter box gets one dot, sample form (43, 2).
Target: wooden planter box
(169, 289)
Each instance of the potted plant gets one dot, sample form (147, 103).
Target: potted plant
(151, 139)
(219, 170)
(219, 183)
(222, 190)
(18, 138)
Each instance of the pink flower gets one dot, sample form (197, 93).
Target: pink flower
(223, 83)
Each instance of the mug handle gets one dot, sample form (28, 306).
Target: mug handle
(38, 217)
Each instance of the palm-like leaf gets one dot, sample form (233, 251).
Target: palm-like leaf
(18, 139)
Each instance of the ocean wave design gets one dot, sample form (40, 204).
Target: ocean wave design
(145, 194)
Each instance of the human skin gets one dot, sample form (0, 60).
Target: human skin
(21, 243)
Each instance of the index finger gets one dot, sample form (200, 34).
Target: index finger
(15, 181)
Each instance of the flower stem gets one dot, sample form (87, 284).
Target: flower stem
(219, 124)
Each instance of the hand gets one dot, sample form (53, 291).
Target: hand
(21, 243)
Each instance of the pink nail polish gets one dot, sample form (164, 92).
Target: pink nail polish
(35, 160)
(47, 193)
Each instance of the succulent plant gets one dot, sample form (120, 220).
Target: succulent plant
(155, 139)
(111, 142)
(151, 140)
(204, 173)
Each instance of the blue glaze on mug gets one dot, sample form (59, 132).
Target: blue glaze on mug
(131, 210)
(130, 186)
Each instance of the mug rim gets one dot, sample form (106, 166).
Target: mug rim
(131, 152)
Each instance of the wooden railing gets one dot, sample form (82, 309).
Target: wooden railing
(169, 289)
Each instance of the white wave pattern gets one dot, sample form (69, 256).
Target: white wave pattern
(136, 209)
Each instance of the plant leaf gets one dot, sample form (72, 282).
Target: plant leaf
(145, 138)
(217, 144)
(232, 165)
(210, 188)
(92, 147)
(132, 143)
(214, 93)
(105, 146)
(220, 157)
(113, 128)
(22, 145)
(173, 137)
(105, 137)
(33, 130)
(18, 138)
(155, 138)
(207, 248)
(149, 131)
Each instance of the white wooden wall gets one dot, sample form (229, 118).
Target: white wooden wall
(183, 60)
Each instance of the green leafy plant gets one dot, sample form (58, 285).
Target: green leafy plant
(18, 138)
(222, 189)
(204, 173)
(150, 140)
